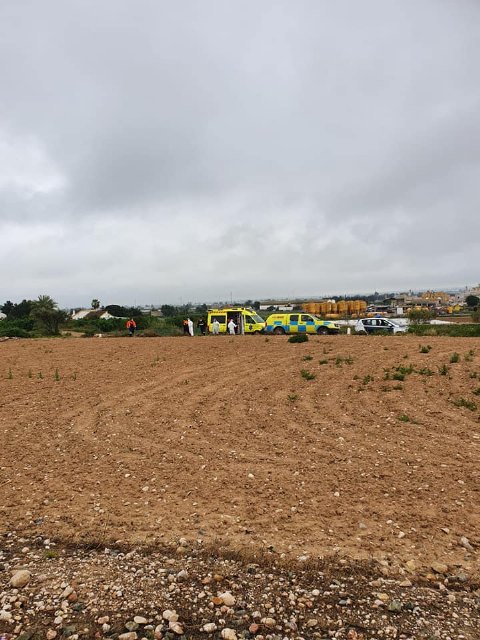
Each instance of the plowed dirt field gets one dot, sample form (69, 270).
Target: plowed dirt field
(223, 439)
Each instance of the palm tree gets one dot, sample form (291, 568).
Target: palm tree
(95, 304)
(47, 314)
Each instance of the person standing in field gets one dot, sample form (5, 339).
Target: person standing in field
(190, 326)
(215, 327)
(231, 327)
(185, 328)
(202, 326)
(131, 326)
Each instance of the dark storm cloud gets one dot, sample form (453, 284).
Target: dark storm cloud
(287, 148)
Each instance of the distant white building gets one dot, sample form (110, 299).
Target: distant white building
(89, 314)
(278, 306)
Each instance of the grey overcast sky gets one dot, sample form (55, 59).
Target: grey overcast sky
(156, 152)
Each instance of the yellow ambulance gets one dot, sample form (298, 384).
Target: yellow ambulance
(281, 323)
(246, 319)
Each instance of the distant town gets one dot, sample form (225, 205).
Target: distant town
(44, 317)
(440, 302)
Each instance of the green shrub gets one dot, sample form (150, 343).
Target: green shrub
(405, 371)
(298, 337)
(457, 330)
(148, 333)
(307, 375)
(12, 332)
(461, 402)
(455, 357)
(425, 372)
(425, 348)
(17, 327)
(420, 316)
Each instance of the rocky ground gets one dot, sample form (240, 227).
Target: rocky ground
(325, 489)
(49, 591)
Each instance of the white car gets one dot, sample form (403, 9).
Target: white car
(379, 325)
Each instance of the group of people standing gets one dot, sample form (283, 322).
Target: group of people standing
(202, 325)
(188, 329)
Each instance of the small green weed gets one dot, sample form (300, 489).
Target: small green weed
(404, 418)
(307, 358)
(292, 397)
(307, 375)
(338, 361)
(50, 554)
(476, 392)
(400, 372)
(473, 375)
(425, 348)
(443, 370)
(367, 379)
(461, 402)
(405, 370)
(74, 375)
(40, 375)
(455, 357)
(323, 362)
(397, 387)
(386, 374)
(469, 356)
(348, 360)
(425, 372)
(10, 374)
(30, 374)
(56, 376)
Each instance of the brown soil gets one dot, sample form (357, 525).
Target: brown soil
(149, 440)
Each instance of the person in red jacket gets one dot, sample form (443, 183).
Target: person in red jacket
(131, 326)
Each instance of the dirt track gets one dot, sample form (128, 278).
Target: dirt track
(148, 440)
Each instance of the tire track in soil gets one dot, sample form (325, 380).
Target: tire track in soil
(130, 421)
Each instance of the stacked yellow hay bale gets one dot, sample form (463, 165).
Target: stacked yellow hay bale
(342, 307)
(325, 308)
